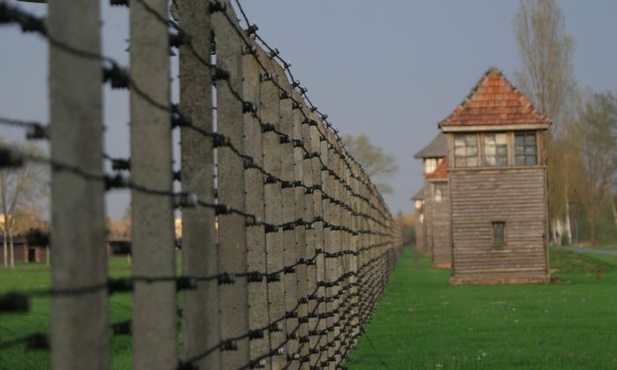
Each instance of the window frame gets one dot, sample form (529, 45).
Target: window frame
(443, 192)
(430, 164)
(499, 235)
(500, 159)
(463, 161)
(525, 146)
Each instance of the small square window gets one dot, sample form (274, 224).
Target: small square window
(440, 191)
(525, 149)
(495, 150)
(429, 165)
(466, 150)
(499, 232)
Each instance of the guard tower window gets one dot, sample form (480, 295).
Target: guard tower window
(495, 150)
(499, 233)
(525, 149)
(466, 150)
(440, 191)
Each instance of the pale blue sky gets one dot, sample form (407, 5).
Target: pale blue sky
(387, 69)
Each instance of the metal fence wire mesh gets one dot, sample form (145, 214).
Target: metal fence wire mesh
(287, 246)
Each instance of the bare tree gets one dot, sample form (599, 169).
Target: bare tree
(546, 52)
(546, 77)
(21, 190)
(374, 160)
(596, 136)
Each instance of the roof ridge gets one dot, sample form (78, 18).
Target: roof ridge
(527, 106)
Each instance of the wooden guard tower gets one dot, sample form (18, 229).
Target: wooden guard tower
(436, 206)
(497, 178)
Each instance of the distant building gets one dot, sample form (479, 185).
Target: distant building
(29, 247)
(497, 178)
(418, 203)
(435, 210)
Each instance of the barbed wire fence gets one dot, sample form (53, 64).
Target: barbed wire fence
(287, 245)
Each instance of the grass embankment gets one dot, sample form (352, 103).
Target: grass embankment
(423, 323)
(36, 277)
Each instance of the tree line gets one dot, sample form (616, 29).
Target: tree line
(581, 146)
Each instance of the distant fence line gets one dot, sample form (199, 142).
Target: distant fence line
(287, 245)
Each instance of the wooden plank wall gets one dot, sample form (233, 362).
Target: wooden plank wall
(437, 227)
(514, 196)
(442, 241)
(420, 239)
(428, 219)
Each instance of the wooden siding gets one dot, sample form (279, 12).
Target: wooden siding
(515, 196)
(442, 244)
(428, 219)
(438, 226)
(420, 239)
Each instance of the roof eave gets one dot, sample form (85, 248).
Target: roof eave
(496, 127)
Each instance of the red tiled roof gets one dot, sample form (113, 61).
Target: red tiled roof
(494, 102)
(441, 171)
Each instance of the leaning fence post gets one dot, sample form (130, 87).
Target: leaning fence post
(231, 109)
(301, 175)
(336, 266)
(355, 240)
(365, 255)
(254, 198)
(328, 248)
(79, 322)
(154, 323)
(314, 241)
(318, 345)
(270, 95)
(290, 253)
(200, 255)
(346, 248)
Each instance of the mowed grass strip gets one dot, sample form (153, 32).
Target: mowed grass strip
(36, 277)
(421, 323)
(424, 323)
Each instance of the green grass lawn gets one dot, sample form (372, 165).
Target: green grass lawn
(32, 277)
(424, 323)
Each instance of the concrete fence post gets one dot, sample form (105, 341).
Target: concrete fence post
(301, 175)
(200, 312)
(329, 265)
(79, 330)
(270, 98)
(335, 319)
(312, 206)
(154, 322)
(254, 198)
(366, 254)
(290, 253)
(353, 264)
(318, 323)
(346, 247)
(234, 305)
